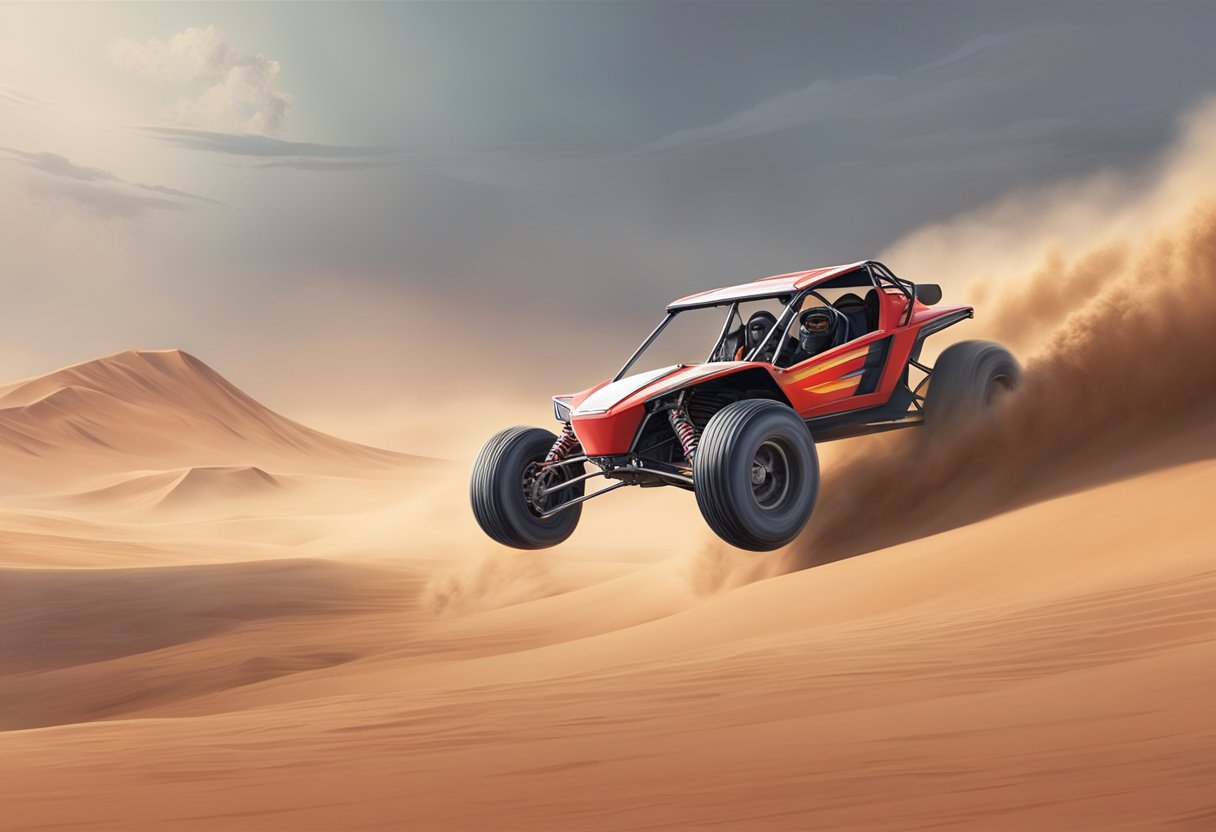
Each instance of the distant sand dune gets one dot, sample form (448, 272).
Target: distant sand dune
(184, 487)
(158, 409)
(218, 483)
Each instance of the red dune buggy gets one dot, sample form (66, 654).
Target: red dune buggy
(792, 360)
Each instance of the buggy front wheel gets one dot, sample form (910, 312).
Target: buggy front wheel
(756, 474)
(512, 491)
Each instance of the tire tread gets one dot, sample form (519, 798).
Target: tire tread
(716, 492)
(488, 494)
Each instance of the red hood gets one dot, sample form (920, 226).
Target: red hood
(606, 417)
(638, 388)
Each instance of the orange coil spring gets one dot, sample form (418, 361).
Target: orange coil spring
(685, 430)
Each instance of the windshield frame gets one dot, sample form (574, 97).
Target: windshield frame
(732, 308)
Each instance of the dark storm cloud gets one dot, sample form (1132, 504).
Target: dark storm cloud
(1039, 89)
(827, 101)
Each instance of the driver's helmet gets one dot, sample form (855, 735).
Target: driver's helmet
(758, 325)
(816, 330)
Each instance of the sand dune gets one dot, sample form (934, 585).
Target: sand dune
(157, 409)
(219, 483)
(183, 487)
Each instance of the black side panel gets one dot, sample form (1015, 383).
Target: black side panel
(871, 371)
(824, 427)
(895, 413)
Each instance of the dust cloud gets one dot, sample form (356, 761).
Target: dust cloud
(499, 579)
(1106, 288)
(1131, 364)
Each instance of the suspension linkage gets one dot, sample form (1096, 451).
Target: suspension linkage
(582, 499)
(560, 462)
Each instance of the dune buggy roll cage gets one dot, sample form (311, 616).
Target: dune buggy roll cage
(636, 469)
(877, 275)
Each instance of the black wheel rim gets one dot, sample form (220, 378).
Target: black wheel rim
(536, 479)
(770, 475)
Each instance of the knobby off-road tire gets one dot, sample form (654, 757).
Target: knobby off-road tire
(756, 474)
(968, 379)
(497, 491)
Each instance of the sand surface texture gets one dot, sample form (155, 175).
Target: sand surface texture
(214, 618)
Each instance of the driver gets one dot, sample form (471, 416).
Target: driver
(816, 332)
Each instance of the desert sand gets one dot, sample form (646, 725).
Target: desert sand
(212, 617)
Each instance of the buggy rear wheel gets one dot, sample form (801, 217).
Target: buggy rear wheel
(756, 474)
(508, 488)
(968, 379)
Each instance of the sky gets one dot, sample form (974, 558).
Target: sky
(348, 209)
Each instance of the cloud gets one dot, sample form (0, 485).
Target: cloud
(324, 164)
(104, 202)
(237, 144)
(57, 165)
(97, 190)
(971, 48)
(949, 82)
(820, 100)
(167, 191)
(307, 156)
(229, 87)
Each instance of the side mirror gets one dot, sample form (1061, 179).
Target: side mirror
(928, 293)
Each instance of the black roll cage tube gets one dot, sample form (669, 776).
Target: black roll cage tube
(877, 272)
(649, 340)
(730, 316)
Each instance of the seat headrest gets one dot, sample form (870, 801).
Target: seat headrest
(849, 303)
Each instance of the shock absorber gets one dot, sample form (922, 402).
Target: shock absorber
(685, 430)
(566, 442)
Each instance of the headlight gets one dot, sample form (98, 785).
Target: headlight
(561, 408)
